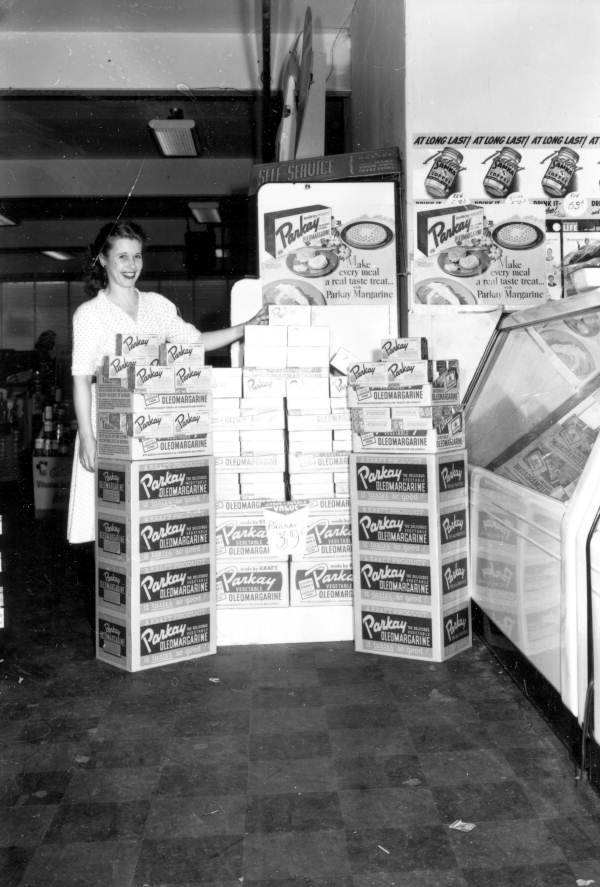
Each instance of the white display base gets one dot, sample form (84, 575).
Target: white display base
(289, 625)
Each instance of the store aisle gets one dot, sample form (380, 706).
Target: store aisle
(274, 766)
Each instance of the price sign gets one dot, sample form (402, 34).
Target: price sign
(574, 204)
(286, 528)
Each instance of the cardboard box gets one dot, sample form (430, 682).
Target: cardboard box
(271, 462)
(310, 441)
(258, 337)
(252, 584)
(150, 537)
(302, 463)
(265, 357)
(133, 488)
(430, 441)
(257, 441)
(399, 579)
(421, 395)
(134, 346)
(443, 227)
(120, 399)
(242, 537)
(340, 419)
(321, 582)
(251, 420)
(408, 348)
(135, 590)
(115, 445)
(308, 337)
(153, 423)
(338, 387)
(403, 527)
(328, 532)
(194, 377)
(181, 352)
(430, 481)
(289, 315)
(444, 418)
(411, 633)
(261, 382)
(226, 382)
(155, 640)
(307, 356)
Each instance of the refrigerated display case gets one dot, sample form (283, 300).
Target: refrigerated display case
(533, 417)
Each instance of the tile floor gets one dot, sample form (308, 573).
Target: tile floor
(301, 766)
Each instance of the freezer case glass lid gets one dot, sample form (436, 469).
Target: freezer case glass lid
(534, 413)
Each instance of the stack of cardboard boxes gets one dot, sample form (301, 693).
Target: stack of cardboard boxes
(155, 535)
(287, 440)
(409, 494)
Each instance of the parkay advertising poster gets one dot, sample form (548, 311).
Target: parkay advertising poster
(331, 243)
(539, 196)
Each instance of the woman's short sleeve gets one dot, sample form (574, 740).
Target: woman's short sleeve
(85, 355)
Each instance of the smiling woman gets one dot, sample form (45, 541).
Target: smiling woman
(117, 306)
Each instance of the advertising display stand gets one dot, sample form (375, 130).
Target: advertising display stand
(533, 417)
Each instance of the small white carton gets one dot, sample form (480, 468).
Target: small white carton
(137, 345)
(181, 352)
(289, 315)
(308, 336)
(307, 355)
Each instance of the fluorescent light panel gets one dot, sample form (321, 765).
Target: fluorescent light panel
(175, 137)
(204, 211)
(5, 220)
(57, 254)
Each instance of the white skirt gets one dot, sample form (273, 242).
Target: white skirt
(81, 525)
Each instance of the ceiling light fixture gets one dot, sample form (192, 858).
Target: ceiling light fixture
(175, 136)
(6, 220)
(205, 211)
(57, 254)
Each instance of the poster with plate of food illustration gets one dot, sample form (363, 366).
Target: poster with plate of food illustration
(329, 243)
(478, 255)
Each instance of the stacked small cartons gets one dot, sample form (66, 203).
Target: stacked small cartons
(155, 537)
(410, 533)
(248, 435)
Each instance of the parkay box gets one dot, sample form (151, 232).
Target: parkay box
(153, 423)
(443, 227)
(423, 441)
(115, 445)
(242, 537)
(288, 230)
(410, 529)
(407, 348)
(401, 372)
(134, 346)
(400, 579)
(181, 352)
(131, 488)
(428, 394)
(328, 532)
(410, 633)
(149, 538)
(245, 584)
(321, 582)
(392, 419)
(429, 481)
(155, 640)
(113, 397)
(134, 590)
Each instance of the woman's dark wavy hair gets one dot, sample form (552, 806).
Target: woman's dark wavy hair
(94, 274)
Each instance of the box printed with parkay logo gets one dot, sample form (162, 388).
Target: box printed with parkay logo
(409, 633)
(154, 536)
(132, 488)
(410, 529)
(321, 582)
(428, 480)
(399, 579)
(155, 640)
(242, 584)
(133, 590)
